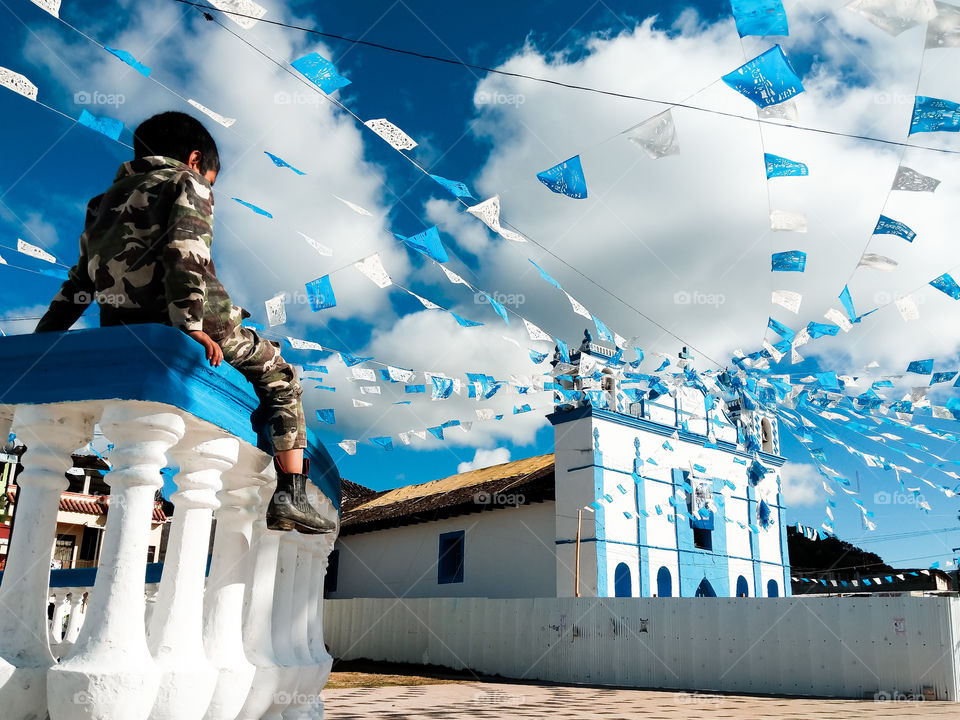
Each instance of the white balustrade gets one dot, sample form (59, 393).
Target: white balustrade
(244, 643)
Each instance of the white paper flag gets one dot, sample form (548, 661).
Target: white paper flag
(276, 310)
(241, 7)
(360, 373)
(33, 251)
(787, 110)
(399, 374)
(774, 353)
(51, 6)
(795, 357)
(297, 344)
(536, 333)
(353, 206)
(18, 83)
(404, 437)
(788, 221)
(2, 261)
(877, 262)
(319, 247)
(421, 434)
(943, 31)
(426, 303)
(802, 338)
(619, 340)
(370, 390)
(787, 299)
(348, 446)
(894, 16)
(361, 403)
(372, 268)
(908, 308)
(910, 180)
(217, 117)
(392, 134)
(838, 318)
(486, 413)
(577, 307)
(657, 136)
(489, 214)
(453, 277)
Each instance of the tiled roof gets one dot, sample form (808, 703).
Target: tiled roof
(91, 504)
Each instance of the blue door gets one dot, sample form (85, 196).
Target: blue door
(773, 590)
(621, 581)
(664, 583)
(743, 590)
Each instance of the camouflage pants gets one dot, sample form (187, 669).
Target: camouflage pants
(275, 382)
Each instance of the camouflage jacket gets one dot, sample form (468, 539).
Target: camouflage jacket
(145, 255)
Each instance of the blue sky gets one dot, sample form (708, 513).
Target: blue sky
(696, 223)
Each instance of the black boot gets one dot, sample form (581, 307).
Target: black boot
(290, 508)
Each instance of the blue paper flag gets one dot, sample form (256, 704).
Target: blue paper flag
(415, 389)
(946, 284)
(816, 329)
(437, 432)
(386, 442)
(934, 115)
(759, 17)
(454, 187)
(103, 125)
(321, 72)
(780, 329)
(315, 368)
(522, 409)
(847, 303)
(790, 261)
(781, 167)
(129, 60)
(498, 308)
(940, 377)
(566, 178)
(351, 360)
(428, 243)
(320, 294)
(257, 210)
(464, 322)
(280, 162)
(602, 330)
(537, 357)
(768, 79)
(887, 226)
(564, 351)
(546, 276)
(921, 367)
(442, 387)
(326, 415)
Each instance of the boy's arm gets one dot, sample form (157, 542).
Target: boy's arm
(187, 254)
(76, 293)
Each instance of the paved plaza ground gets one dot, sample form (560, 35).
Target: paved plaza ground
(402, 694)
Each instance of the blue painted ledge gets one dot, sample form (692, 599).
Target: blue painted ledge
(86, 577)
(153, 363)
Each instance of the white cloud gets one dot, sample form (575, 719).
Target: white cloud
(485, 458)
(801, 485)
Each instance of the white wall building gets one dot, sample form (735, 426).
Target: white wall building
(669, 503)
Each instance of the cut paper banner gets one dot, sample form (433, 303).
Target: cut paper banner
(894, 16)
(428, 243)
(51, 6)
(657, 136)
(782, 167)
(298, 344)
(489, 214)
(353, 206)
(779, 111)
(281, 163)
(546, 276)
(787, 221)
(790, 261)
(453, 277)
(912, 181)
(103, 125)
(372, 269)
(759, 17)
(934, 115)
(535, 332)
(946, 284)
(577, 307)
(454, 187)
(18, 83)
(908, 308)
(847, 303)
(566, 178)
(888, 226)
(361, 403)
(768, 79)
(837, 317)
(463, 322)
(217, 117)
(426, 303)
(877, 262)
(348, 446)
(326, 415)
(320, 71)
(943, 31)
(385, 442)
(787, 299)
(276, 311)
(247, 11)
(921, 367)
(320, 294)
(34, 251)
(319, 247)
(256, 209)
(397, 138)
(129, 60)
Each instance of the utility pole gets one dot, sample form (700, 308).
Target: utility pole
(576, 562)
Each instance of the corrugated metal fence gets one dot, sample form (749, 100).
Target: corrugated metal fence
(834, 647)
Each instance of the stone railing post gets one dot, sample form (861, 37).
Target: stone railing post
(51, 434)
(175, 631)
(229, 573)
(304, 693)
(322, 546)
(61, 606)
(281, 621)
(75, 622)
(110, 672)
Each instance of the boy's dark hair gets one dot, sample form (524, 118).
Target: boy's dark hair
(175, 135)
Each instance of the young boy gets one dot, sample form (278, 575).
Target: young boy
(145, 258)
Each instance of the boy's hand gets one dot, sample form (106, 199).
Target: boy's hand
(214, 353)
